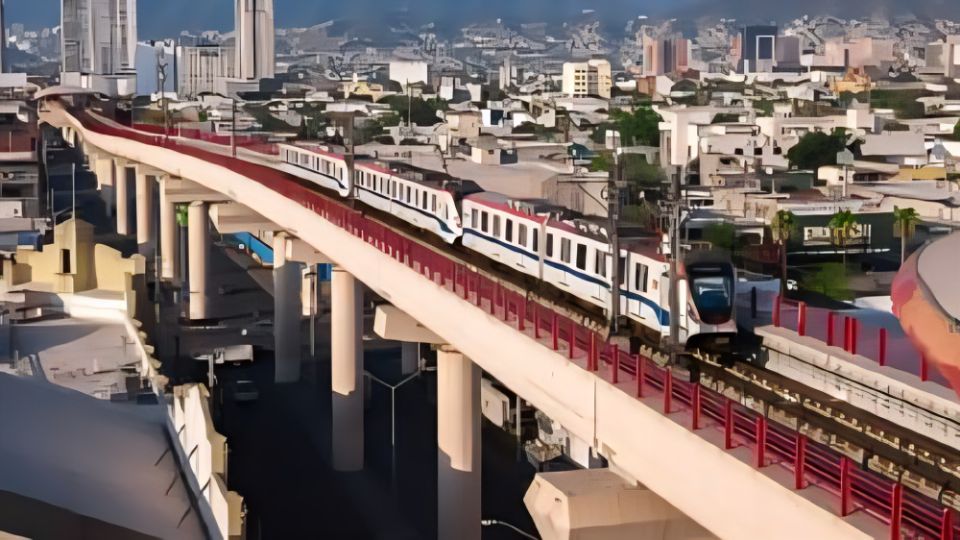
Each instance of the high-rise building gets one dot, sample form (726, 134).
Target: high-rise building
(98, 36)
(254, 44)
(669, 53)
(98, 42)
(590, 78)
(758, 48)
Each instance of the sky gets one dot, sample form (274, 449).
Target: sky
(164, 18)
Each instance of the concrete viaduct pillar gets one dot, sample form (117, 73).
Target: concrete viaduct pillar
(346, 365)
(198, 240)
(120, 188)
(169, 235)
(144, 198)
(458, 446)
(103, 168)
(287, 282)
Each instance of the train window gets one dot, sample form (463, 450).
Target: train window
(484, 221)
(496, 226)
(565, 250)
(446, 211)
(509, 235)
(600, 264)
(536, 241)
(304, 159)
(393, 187)
(408, 194)
(622, 271)
(433, 203)
(424, 200)
(641, 277)
(549, 245)
(473, 218)
(522, 235)
(581, 256)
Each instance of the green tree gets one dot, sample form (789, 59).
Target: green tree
(603, 162)
(638, 127)
(782, 226)
(829, 280)
(817, 149)
(843, 224)
(420, 111)
(721, 236)
(904, 220)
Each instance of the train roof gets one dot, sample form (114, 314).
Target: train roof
(317, 149)
(422, 176)
(529, 208)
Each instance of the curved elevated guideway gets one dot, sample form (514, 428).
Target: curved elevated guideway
(734, 472)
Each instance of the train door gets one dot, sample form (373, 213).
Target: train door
(683, 293)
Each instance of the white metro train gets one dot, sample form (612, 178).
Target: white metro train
(529, 237)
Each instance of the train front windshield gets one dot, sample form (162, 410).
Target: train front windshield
(712, 288)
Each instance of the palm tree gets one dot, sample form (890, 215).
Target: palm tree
(782, 226)
(904, 219)
(843, 224)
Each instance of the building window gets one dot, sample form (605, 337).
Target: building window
(65, 266)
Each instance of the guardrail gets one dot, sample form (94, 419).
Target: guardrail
(886, 347)
(812, 463)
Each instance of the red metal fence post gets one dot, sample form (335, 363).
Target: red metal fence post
(802, 318)
(882, 360)
(536, 320)
(522, 315)
(555, 330)
(667, 390)
(594, 361)
(846, 332)
(760, 434)
(946, 524)
(854, 334)
(845, 491)
(831, 320)
(896, 511)
(800, 462)
(615, 365)
(573, 340)
(641, 375)
(695, 405)
(728, 424)
(776, 311)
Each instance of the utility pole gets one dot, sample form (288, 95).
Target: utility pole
(675, 307)
(613, 215)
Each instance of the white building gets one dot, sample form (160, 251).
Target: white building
(255, 58)
(205, 68)
(590, 78)
(409, 72)
(98, 44)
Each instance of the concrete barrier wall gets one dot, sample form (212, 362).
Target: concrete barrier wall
(206, 452)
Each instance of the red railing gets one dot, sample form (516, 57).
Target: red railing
(813, 464)
(887, 346)
(255, 143)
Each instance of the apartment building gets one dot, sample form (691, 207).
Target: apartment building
(590, 78)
